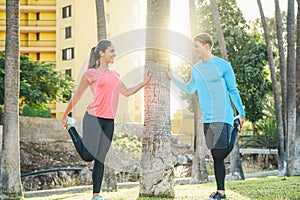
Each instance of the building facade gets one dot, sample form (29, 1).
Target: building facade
(37, 29)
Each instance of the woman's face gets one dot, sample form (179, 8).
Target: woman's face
(200, 49)
(109, 54)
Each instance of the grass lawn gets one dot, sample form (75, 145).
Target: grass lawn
(273, 188)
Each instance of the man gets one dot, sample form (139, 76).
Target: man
(215, 83)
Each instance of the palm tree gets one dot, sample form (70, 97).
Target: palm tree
(236, 169)
(276, 95)
(282, 63)
(298, 71)
(291, 85)
(10, 160)
(157, 167)
(220, 35)
(101, 21)
(199, 172)
(109, 183)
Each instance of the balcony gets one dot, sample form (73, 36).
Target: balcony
(27, 8)
(33, 2)
(33, 25)
(27, 46)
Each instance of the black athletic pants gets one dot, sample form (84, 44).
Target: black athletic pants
(96, 141)
(219, 155)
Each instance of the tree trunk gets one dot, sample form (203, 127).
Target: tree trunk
(220, 35)
(273, 74)
(283, 78)
(101, 21)
(109, 182)
(199, 172)
(157, 178)
(291, 85)
(10, 159)
(236, 168)
(235, 160)
(298, 72)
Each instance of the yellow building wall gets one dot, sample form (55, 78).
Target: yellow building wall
(182, 122)
(84, 36)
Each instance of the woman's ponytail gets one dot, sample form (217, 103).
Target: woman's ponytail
(94, 61)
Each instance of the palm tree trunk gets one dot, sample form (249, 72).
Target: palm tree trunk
(283, 78)
(291, 85)
(10, 160)
(199, 172)
(297, 143)
(220, 35)
(273, 73)
(157, 167)
(110, 183)
(101, 21)
(298, 71)
(236, 170)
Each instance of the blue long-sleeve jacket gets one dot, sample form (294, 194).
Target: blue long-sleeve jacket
(214, 81)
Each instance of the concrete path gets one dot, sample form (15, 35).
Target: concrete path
(127, 185)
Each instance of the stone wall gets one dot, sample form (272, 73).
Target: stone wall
(40, 130)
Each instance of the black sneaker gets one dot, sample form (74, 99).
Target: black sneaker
(217, 195)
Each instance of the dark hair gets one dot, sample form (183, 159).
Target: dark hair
(204, 38)
(102, 45)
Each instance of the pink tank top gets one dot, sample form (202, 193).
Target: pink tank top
(105, 89)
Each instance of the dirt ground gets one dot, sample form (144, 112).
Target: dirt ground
(35, 157)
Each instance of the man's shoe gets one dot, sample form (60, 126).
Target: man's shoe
(217, 195)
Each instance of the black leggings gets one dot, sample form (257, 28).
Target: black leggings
(219, 155)
(96, 141)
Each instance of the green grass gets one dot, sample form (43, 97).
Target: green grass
(271, 188)
(268, 188)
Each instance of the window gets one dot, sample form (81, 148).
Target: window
(38, 56)
(68, 32)
(66, 11)
(37, 36)
(37, 16)
(68, 97)
(68, 54)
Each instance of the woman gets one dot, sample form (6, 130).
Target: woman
(98, 121)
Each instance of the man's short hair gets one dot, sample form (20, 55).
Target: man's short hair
(204, 38)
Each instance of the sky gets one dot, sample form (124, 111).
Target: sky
(250, 9)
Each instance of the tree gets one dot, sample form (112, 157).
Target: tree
(283, 80)
(291, 85)
(10, 159)
(298, 70)
(156, 164)
(199, 172)
(110, 183)
(101, 21)
(236, 169)
(273, 76)
(39, 82)
(219, 31)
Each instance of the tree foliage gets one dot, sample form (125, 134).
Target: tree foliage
(39, 110)
(39, 82)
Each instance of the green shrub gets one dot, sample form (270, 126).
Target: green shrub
(41, 110)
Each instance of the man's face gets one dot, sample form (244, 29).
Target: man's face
(201, 50)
